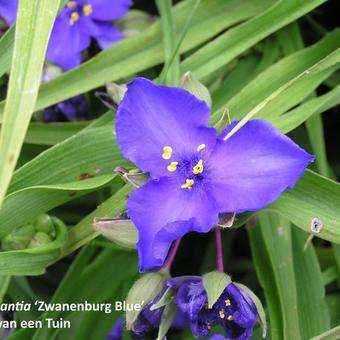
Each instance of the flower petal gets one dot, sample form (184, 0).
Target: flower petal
(253, 167)
(162, 213)
(66, 43)
(151, 117)
(107, 34)
(108, 10)
(8, 10)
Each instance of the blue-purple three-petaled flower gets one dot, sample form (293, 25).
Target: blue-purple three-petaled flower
(195, 175)
(76, 24)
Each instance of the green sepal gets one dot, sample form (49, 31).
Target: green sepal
(134, 177)
(214, 284)
(168, 316)
(195, 87)
(116, 92)
(142, 292)
(258, 304)
(134, 22)
(166, 298)
(119, 230)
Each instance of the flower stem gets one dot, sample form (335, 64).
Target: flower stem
(219, 249)
(171, 256)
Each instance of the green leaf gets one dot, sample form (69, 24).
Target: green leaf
(214, 284)
(33, 27)
(145, 50)
(52, 133)
(316, 197)
(332, 334)
(171, 77)
(6, 50)
(237, 40)
(291, 278)
(28, 203)
(83, 232)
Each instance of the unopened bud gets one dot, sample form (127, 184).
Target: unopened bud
(134, 22)
(18, 238)
(119, 230)
(195, 87)
(39, 239)
(44, 223)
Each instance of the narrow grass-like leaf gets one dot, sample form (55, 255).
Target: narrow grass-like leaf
(135, 54)
(33, 27)
(235, 41)
(316, 197)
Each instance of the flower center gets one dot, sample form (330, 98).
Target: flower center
(77, 10)
(191, 169)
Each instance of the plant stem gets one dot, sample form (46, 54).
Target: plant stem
(172, 254)
(219, 249)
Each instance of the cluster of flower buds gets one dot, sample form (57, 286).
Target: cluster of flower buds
(205, 304)
(37, 233)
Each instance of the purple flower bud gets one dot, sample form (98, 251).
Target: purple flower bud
(71, 109)
(117, 330)
(234, 310)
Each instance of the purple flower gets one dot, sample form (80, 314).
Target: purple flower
(195, 175)
(8, 10)
(234, 310)
(78, 22)
(70, 109)
(117, 330)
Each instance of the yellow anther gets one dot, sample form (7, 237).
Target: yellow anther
(172, 166)
(188, 184)
(227, 302)
(87, 9)
(221, 313)
(208, 326)
(230, 318)
(71, 4)
(200, 147)
(74, 18)
(167, 152)
(198, 168)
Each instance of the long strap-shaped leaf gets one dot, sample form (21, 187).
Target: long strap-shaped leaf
(34, 24)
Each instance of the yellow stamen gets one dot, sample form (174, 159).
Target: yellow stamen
(227, 302)
(198, 168)
(188, 184)
(230, 318)
(71, 4)
(208, 326)
(172, 166)
(221, 313)
(167, 151)
(74, 18)
(87, 9)
(200, 147)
